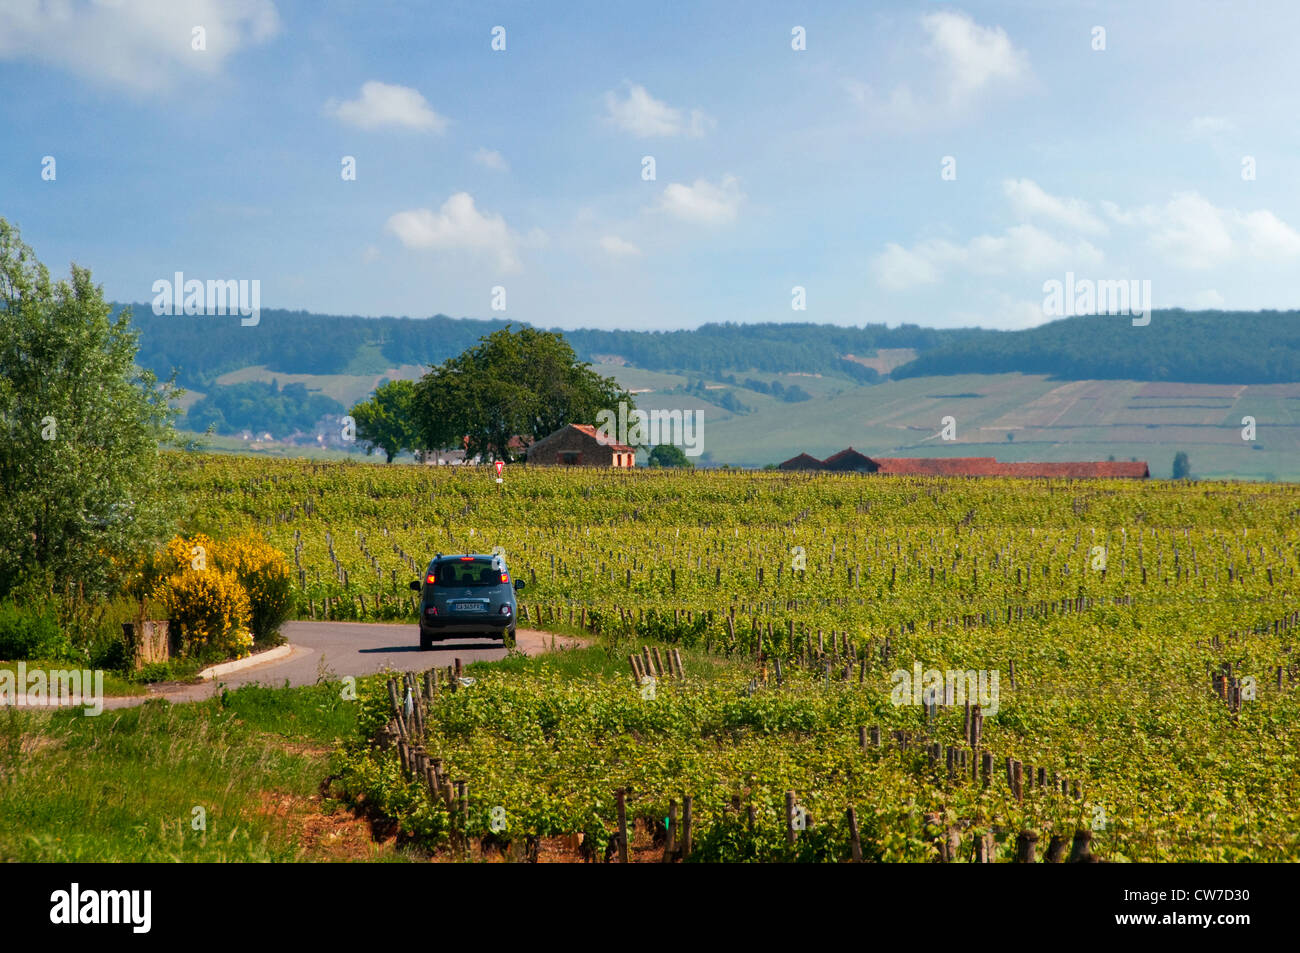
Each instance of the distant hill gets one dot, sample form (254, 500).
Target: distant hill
(1194, 347)
(1085, 388)
(203, 348)
(1204, 347)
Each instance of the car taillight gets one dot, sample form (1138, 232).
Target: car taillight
(432, 610)
(505, 609)
(429, 579)
(505, 577)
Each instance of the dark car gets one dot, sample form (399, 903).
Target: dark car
(469, 595)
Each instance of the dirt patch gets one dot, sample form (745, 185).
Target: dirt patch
(537, 641)
(885, 360)
(322, 830)
(302, 748)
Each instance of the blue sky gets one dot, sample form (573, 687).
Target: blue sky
(774, 167)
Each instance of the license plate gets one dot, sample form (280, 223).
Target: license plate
(468, 607)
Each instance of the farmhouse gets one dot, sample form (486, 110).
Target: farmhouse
(851, 461)
(804, 461)
(579, 445)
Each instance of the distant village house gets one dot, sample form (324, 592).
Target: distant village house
(578, 445)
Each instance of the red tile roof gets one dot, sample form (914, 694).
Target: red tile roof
(988, 466)
(850, 459)
(938, 466)
(591, 431)
(804, 461)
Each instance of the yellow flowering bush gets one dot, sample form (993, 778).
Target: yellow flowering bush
(211, 611)
(263, 572)
(190, 553)
(223, 596)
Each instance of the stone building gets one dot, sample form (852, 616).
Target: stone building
(579, 445)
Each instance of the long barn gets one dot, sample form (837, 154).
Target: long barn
(853, 461)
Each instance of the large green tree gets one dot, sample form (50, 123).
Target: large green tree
(82, 480)
(668, 455)
(525, 383)
(386, 421)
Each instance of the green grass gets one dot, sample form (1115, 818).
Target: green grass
(636, 378)
(217, 443)
(115, 683)
(123, 786)
(173, 670)
(369, 359)
(607, 659)
(355, 384)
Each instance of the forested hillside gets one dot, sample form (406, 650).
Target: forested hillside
(1193, 347)
(1206, 347)
(295, 342)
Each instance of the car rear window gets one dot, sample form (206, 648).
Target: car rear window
(477, 572)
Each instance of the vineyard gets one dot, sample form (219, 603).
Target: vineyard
(1139, 637)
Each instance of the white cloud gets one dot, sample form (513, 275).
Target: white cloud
(1026, 248)
(1210, 125)
(619, 247)
(1004, 312)
(142, 45)
(898, 268)
(457, 225)
(974, 56)
(1267, 236)
(1191, 232)
(1021, 248)
(703, 202)
(1207, 300)
(1019, 314)
(644, 116)
(970, 61)
(491, 159)
(900, 106)
(1030, 201)
(385, 104)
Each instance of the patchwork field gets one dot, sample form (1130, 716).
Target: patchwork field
(1008, 416)
(1020, 417)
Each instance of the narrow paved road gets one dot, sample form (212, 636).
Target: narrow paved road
(335, 649)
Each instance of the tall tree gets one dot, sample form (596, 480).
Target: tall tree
(386, 420)
(525, 383)
(81, 474)
(1182, 466)
(668, 455)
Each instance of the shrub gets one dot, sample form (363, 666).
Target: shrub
(143, 574)
(186, 554)
(31, 632)
(262, 571)
(105, 647)
(211, 612)
(221, 597)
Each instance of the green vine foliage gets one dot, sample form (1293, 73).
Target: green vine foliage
(1114, 603)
